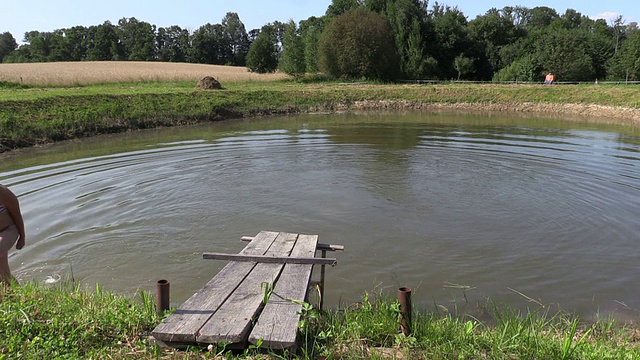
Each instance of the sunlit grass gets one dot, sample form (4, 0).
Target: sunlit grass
(101, 72)
(67, 321)
(40, 114)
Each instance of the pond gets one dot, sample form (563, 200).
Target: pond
(460, 207)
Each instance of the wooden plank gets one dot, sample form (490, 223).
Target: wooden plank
(232, 322)
(183, 325)
(270, 259)
(277, 325)
(320, 246)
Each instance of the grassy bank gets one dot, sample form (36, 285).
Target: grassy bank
(35, 115)
(64, 321)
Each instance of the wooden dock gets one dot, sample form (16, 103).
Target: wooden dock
(230, 307)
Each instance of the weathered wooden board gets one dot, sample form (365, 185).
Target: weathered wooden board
(320, 246)
(184, 324)
(232, 321)
(270, 259)
(277, 325)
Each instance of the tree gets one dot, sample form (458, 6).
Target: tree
(237, 39)
(541, 17)
(463, 65)
(626, 63)
(292, 58)
(76, 43)
(618, 28)
(451, 38)
(565, 53)
(494, 31)
(339, 7)
(407, 19)
(137, 39)
(172, 44)
(103, 43)
(209, 45)
(263, 53)
(310, 32)
(7, 44)
(359, 44)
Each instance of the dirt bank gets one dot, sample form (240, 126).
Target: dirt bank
(582, 112)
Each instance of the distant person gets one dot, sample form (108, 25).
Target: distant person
(548, 80)
(11, 231)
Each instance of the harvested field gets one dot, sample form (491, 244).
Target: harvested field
(97, 72)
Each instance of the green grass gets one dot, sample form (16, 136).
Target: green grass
(67, 322)
(39, 115)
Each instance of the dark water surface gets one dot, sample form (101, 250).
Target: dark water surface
(459, 207)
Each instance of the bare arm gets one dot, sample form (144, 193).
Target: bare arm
(10, 201)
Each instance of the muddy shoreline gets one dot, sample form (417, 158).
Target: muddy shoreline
(571, 112)
(582, 112)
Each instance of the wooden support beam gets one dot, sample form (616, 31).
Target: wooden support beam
(325, 247)
(270, 259)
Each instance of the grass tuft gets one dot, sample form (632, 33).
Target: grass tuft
(68, 321)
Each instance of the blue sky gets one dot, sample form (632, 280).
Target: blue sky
(20, 16)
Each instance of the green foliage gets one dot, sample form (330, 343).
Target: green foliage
(524, 69)
(208, 45)
(310, 32)
(11, 85)
(452, 39)
(263, 54)
(407, 19)
(7, 44)
(564, 53)
(237, 39)
(625, 65)
(173, 44)
(463, 65)
(339, 7)
(105, 43)
(137, 39)
(292, 60)
(359, 45)
(426, 43)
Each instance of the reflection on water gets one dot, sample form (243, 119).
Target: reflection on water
(502, 206)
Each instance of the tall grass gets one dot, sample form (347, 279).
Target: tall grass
(66, 321)
(69, 322)
(102, 72)
(370, 330)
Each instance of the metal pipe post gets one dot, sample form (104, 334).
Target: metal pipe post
(162, 295)
(404, 298)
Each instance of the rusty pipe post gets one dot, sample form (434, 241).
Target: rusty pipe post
(404, 298)
(162, 295)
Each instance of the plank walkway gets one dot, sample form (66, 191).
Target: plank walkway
(229, 308)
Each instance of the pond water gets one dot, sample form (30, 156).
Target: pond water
(459, 207)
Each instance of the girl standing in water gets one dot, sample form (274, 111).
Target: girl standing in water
(11, 231)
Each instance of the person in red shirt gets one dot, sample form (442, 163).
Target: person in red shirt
(548, 80)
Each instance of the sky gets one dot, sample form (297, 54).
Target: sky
(20, 16)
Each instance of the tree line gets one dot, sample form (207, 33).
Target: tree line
(369, 39)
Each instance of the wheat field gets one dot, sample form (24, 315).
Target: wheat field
(98, 72)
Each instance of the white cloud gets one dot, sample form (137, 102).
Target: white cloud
(607, 16)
